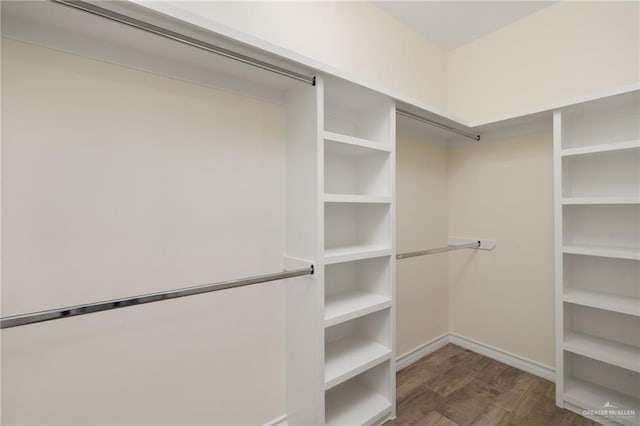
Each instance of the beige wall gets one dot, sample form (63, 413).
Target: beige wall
(504, 298)
(123, 188)
(422, 217)
(566, 50)
(354, 37)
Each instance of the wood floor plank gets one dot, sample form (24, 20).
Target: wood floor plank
(456, 387)
(467, 404)
(419, 404)
(436, 419)
(492, 415)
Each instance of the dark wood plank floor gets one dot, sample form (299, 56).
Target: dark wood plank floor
(454, 386)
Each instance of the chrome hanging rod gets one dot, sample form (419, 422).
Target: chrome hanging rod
(184, 39)
(474, 136)
(72, 311)
(437, 250)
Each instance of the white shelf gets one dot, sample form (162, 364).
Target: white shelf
(609, 302)
(358, 143)
(604, 350)
(591, 396)
(355, 404)
(600, 200)
(349, 198)
(350, 356)
(614, 252)
(354, 252)
(618, 146)
(343, 307)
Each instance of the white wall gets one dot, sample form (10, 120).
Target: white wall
(566, 50)
(115, 183)
(422, 222)
(505, 298)
(357, 38)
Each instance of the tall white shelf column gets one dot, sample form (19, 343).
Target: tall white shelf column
(597, 218)
(357, 197)
(340, 217)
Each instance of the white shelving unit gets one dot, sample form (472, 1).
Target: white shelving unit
(358, 150)
(597, 211)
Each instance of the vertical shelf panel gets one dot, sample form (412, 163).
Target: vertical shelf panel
(304, 295)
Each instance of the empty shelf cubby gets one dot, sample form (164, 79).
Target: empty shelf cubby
(355, 169)
(602, 282)
(357, 112)
(604, 335)
(355, 346)
(612, 230)
(603, 175)
(357, 288)
(609, 121)
(355, 230)
(611, 391)
(363, 400)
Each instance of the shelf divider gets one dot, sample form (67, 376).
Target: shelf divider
(625, 356)
(350, 356)
(355, 252)
(606, 301)
(352, 198)
(358, 142)
(594, 149)
(569, 201)
(346, 306)
(603, 251)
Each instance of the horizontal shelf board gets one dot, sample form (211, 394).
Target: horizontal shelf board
(594, 149)
(364, 144)
(343, 307)
(600, 200)
(606, 301)
(350, 356)
(348, 198)
(593, 397)
(355, 404)
(354, 252)
(625, 356)
(602, 251)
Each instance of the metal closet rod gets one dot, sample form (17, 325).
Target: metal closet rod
(470, 135)
(184, 39)
(230, 54)
(437, 250)
(72, 311)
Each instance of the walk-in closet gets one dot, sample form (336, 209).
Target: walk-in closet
(320, 213)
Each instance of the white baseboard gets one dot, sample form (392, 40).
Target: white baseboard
(421, 351)
(524, 364)
(280, 421)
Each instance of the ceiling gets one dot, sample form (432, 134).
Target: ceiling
(451, 24)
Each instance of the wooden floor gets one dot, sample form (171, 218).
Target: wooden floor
(454, 386)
